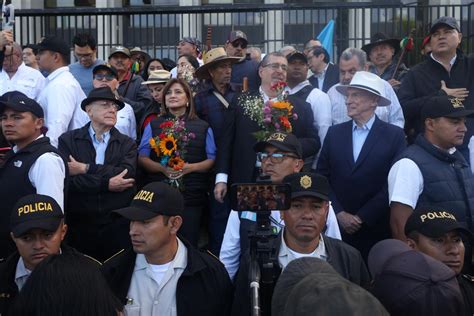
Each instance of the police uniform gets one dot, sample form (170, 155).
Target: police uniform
(193, 283)
(31, 212)
(434, 223)
(36, 168)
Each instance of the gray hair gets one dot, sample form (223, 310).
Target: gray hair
(267, 57)
(352, 52)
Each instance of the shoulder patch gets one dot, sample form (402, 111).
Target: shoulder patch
(115, 255)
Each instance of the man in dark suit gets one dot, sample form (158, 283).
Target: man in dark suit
(356, 157)
(235, 155)
(325, 73)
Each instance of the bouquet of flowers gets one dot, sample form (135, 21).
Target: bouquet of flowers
(271, 116)
(170, 147)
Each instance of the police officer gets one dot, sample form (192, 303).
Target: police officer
(164, 274)
(302, 236)
(38, 229)
(437, 233)
(34, 164)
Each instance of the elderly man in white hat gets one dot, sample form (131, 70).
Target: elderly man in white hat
(211, 105)
(356, 157)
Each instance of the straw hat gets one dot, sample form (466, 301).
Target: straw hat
(211, 58)
(158, 76)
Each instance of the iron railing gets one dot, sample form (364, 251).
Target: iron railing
(268, 26)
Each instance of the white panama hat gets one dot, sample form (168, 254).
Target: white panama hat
(367, 81)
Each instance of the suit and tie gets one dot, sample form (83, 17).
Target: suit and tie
(359, 186)
(236, 156)
(331, 77)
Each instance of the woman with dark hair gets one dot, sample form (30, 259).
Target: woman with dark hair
(152, 65)
(188, 168)
(66, 284)
(186, 67)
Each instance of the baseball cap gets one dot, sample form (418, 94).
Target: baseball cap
(35, 211)
(21, 103)
(311, 286)
(156, 198)
(283, 141)
(106, 67)
(447, 21)
(408, 282)
(434, 223)
(119, 49)
(54, 44)
(444, 106)
(235, 35)
(308, 184)
(296, 55)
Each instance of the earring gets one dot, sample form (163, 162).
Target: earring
(187, 104)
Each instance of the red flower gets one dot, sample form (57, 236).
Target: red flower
(162, 135)
(166, 124)
(285, 122)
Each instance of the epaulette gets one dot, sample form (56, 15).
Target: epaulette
(115, 255)
(468, 277)
(92, 259)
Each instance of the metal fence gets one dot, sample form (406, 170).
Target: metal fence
(268, 26)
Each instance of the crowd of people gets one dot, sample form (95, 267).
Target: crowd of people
(116, 176)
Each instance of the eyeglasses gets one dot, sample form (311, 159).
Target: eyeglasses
(84, 56)
(242, 45)
(275, 157)
(276, 66)
(100, 77)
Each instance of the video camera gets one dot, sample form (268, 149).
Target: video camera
(261, 197)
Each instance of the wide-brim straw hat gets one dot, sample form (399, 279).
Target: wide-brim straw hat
(367, 81)
(158, 76)
(211, 58)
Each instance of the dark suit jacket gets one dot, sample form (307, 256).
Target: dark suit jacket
(235, 154)
(360, 187)
(330, 79)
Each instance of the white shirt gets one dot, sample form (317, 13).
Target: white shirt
(27, 80)
(286, 254)
(21, 273)
(321, 106)
(230, 249)
(61, 102)
(147, 297)
(392, 113)
(405, 182)
(47, 175)
(126, 122)
(321, 76)
(471, 153)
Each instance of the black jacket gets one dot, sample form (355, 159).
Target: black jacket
(424, 81)
(204, 288)
(236, 156)
(8, 287)
(331, 78)
(137, 95)
(342, 257)
(89, 193)
(466, 284)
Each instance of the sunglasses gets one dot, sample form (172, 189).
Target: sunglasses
(242, 44)
(100, 77)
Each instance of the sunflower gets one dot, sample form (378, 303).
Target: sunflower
(282, 105)
(168, 145)
(153, 146)
(176, 163)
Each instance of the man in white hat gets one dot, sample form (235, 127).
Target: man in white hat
(356, 157)
(211, 104)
